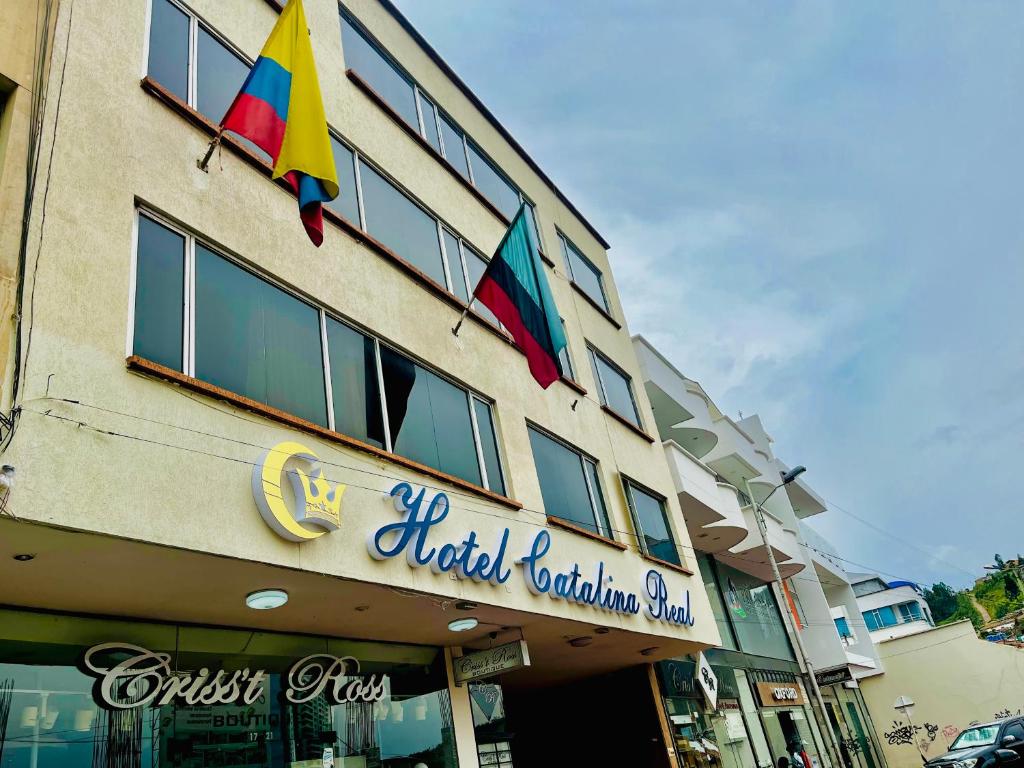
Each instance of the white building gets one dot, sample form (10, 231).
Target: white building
(716, 462)
(891, 609)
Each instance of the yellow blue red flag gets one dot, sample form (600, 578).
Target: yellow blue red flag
(280, 110)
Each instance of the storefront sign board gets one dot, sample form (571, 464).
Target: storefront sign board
(707, 681)
(780, 694)
(479, 665)
(833, 676)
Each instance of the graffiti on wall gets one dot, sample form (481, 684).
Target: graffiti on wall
(901, 733)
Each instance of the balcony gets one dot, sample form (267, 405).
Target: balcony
(721, 521)
(710, 507)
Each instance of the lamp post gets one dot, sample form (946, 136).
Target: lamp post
(787, 478)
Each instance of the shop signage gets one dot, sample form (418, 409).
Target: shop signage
(780, 694)
(471, 559)
(833, 676)
(494, 661)
(707, 681)
(129, 676)
(317, 502)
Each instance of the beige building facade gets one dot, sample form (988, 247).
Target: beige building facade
(210, 412)
(953, 679)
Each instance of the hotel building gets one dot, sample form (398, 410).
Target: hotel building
(260, 507)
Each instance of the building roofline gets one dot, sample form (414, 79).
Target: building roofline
(392, 9)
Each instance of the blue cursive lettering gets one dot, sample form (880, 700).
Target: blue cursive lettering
(658, 606)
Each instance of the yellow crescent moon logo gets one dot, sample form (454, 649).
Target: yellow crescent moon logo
(268, 477)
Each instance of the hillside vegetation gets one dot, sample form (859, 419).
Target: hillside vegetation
(1000, 593)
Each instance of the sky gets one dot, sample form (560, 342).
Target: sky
(814, 210)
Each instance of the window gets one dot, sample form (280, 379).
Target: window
(454, 147)
(376, 69)
(564, 358)
(880, 618)
(346, 204)
(219, 76)
(1015, 730)
(843, 627)
(159, 294)
(475, 267)
(650, 519)
(492, 183)
(910, 612)
(614, 387)
(584, 274)
(169, 48)
(569, 484)
(395, 220)
(401, 93)
(255, 339)
(429, 118)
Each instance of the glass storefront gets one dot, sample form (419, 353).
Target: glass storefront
(213, 697)
(786, 715)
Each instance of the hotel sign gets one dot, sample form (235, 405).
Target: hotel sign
(479, 665)
(317, 502)
(780, 694)
(833, 676)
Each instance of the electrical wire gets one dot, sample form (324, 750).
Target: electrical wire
(364, 470)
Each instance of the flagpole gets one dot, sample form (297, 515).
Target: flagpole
(455, 330)
(205, 161)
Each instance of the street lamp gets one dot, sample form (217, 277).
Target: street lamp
(788, 478)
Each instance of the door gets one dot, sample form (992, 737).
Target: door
(862, 739)
(1016, 730)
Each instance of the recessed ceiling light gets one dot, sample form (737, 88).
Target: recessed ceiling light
(601, 630)
(648, 651)
(24, 558)
(362, 608)
(465, 605)
(580, 642)
(265, 599)
(463, 625)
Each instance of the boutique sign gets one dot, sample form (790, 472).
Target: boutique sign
(129, 676)
(418, 537)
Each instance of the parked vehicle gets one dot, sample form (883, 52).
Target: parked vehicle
(998, 743)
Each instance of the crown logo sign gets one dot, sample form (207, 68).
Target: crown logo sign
(314, 506)
(322, 502)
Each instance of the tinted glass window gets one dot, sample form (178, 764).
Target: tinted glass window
(168, 48)
(565, 360)
(428, 418)
(534, 229)
(256, 340)
(476, 266)
(354, 387)
(494, 186)
(451, 252)
(653, 523)
(346, 203)
(429, 123)
(159, 294)
(617, 393)
(372, 67)
(563, 484)
(595, 488)
(400, 224)
(489, 446)
(584, 274)
(843, 627)
(454, 152)
(753, 613)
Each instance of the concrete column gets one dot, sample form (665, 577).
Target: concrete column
(462, 715)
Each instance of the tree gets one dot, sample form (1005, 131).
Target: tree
(1012, 587)
(941, 600)
(999, 562)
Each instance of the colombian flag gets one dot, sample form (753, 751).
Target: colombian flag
(280, 110)
(515, 288)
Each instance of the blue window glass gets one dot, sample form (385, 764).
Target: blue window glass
(168, 48)
(372, 66)
(651, 520)
(159, 294)
(346, 204)
(842, 627)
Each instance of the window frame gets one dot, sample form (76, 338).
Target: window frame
(191, 239)
(628, 486)
(594, 353)
(603, 526)
(567, 244)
